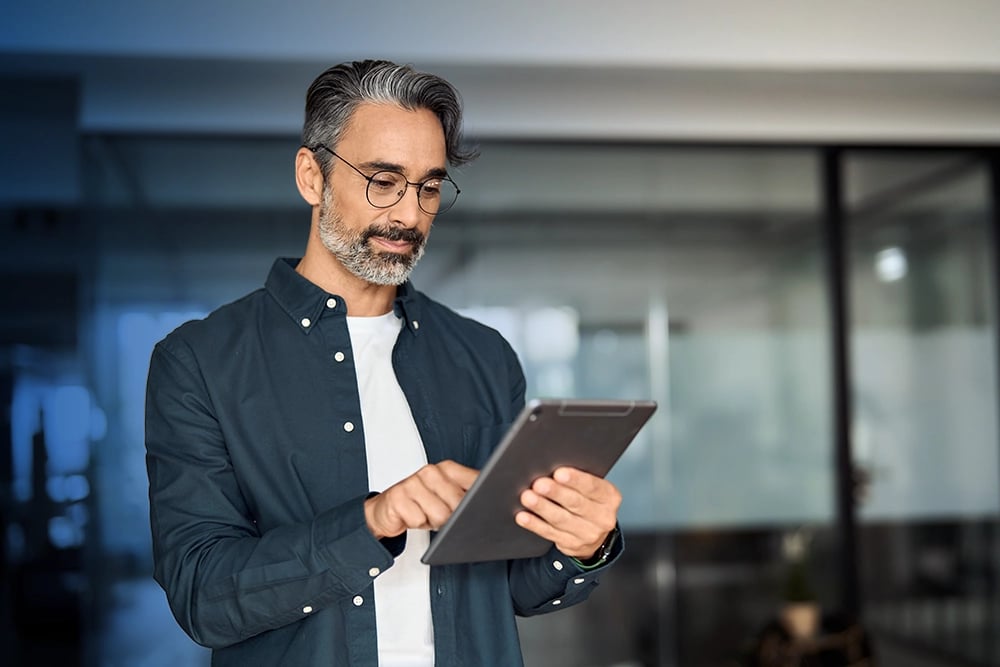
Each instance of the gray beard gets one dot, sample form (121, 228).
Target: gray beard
(356, 254)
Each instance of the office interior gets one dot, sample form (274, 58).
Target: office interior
(788, 240)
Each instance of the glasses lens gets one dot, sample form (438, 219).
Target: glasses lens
(437, 195)
(386, 188)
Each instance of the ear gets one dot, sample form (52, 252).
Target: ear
(308, 177)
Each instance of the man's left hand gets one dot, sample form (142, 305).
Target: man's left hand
(573, 509)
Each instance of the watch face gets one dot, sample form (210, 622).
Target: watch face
(609, 544)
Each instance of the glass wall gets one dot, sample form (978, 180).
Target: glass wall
(692, 277)
(924, 374)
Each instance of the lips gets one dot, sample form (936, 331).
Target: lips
(395, 239)
(392, 246)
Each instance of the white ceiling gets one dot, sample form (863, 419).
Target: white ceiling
(714, 70)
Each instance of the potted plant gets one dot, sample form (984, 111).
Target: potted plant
(800, 611)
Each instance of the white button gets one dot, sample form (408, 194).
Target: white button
(558, 565)
(579, 580)
(416, 325)
(358, 600)
(348, 426)
(339, 356)
(331, 303)
(556, 603)
(307, 609)
(305, 322)
(374, 572)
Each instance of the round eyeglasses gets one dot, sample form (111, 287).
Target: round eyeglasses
(386, 188)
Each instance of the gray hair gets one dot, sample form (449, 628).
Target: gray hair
(336, 93)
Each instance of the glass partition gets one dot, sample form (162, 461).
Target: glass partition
(692, 276)
(924, 373)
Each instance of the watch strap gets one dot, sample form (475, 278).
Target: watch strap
(602, 554)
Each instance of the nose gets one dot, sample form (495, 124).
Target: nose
(407, 211)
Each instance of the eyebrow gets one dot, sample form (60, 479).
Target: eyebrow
(381, 165)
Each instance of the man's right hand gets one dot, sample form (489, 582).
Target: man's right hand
(423, 500)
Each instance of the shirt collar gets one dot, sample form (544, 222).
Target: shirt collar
(407, 306)
(305, 302)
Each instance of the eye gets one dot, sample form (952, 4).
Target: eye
(431, 188)
(386, 181)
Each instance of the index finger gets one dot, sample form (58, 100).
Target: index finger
(461, 475)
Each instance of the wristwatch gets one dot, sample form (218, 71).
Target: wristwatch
(603, 552)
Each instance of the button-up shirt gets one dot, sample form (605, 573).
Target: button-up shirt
(257, 471)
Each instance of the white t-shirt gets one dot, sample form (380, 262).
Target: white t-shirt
(394, 451)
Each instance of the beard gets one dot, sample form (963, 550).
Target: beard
(353, 250)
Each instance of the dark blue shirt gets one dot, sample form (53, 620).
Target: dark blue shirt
(257, 471)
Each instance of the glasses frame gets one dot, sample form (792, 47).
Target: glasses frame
(419, 185)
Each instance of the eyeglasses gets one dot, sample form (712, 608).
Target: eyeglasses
(386, 188)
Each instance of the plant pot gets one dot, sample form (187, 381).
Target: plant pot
(801, 619)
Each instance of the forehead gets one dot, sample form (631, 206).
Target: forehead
(388, 133)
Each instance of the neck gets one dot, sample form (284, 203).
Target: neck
(363, 299)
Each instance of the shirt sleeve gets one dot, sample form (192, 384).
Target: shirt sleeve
(225, 579)
(554, 581)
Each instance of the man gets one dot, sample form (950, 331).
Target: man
(303, 441)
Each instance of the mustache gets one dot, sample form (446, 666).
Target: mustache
(411, 236)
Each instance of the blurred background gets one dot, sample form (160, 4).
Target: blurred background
(778, 219)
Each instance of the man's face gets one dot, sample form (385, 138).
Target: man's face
(381, 245)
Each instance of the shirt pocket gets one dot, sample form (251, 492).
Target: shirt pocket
(480, 441)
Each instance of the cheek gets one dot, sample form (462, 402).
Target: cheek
(356, 218)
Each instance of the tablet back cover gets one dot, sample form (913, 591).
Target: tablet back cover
(587, 434)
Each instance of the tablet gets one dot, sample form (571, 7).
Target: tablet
(587, 434)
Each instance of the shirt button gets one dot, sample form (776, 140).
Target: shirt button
(306, 322)
(339, 357)
(579, 580)
(331, 303)
(558, 565)
(348, 426)
(374, 572)
(416, 325)
(556, 603)
(307, 609)
(358, 600)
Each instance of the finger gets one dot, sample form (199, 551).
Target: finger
(549, 510)
(590, 486)
(585, 522)
(566, 497)
(418, 506)
(604, 502)
(567, 543)
(572, 534)
(434, 480)
(461, 475)
(410, 514)
(434, 513)
(388, 516)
